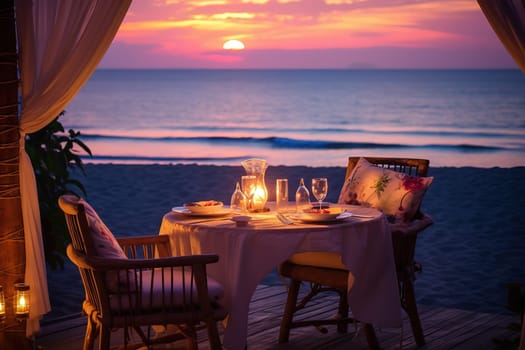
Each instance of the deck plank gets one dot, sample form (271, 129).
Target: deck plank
(443, 328)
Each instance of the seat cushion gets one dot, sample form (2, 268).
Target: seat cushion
(318, 264)
(320, 259)
(163, 288)
(396, 194)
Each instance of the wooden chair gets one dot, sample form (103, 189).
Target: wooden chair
(325, 271)
(140, 287)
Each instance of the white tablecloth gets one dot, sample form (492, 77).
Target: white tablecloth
(248, 254)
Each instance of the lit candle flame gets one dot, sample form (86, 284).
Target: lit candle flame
(22, 306)
(258, 195)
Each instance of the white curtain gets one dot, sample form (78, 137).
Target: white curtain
(507, 18)
(61, 42)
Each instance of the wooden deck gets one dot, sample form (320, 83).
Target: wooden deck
(444, 329)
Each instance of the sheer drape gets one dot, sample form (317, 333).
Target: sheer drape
(507, 18)
(60, 44)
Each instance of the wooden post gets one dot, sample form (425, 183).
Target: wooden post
(12, 256)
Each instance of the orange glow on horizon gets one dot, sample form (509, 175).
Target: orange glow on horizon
(224, 58)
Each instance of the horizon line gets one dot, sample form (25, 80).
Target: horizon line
(304, 69)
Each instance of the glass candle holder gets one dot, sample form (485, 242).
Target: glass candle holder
(259, 195)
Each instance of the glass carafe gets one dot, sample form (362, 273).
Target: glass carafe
(257, 168)
(302, 197)
(238, 200)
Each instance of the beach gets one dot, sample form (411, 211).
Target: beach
(474, 248)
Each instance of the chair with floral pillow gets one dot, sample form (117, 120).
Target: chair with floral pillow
(134, 284)
(395, 186)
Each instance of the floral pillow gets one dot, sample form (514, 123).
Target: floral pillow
(397, 194)
(104, 242)
(106, 245)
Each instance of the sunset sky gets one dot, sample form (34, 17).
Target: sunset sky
(306, 34)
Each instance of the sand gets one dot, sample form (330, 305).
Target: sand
(475, 247)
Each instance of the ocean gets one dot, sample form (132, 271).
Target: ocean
(301, 117)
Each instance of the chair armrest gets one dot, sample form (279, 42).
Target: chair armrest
(412, 228)
(138, 240)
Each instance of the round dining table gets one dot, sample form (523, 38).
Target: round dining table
(249, 253)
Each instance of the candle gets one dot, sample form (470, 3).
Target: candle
(259, 198)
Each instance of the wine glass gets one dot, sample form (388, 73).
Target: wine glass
(248, 183)
(320, 189)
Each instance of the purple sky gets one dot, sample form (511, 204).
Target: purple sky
(307, 34)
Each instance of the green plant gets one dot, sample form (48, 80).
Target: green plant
(55, 155)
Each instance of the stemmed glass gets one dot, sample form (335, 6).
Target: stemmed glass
(320, 189)
(248, 183)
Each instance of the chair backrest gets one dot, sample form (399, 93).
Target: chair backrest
(78, 227)
(82, 237)
(77, 223)
(84, 226)
(410, 166)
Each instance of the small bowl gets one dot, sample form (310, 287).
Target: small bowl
(241, 220)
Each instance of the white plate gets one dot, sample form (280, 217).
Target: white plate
(326, 215)
(204, 207)
(184, 211)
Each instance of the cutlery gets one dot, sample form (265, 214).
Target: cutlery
(343, 215)
(362, 216)
(284, 219)
(210, 220)
(346, 214)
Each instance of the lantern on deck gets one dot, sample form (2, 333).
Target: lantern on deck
(2, 304)
(22, 300)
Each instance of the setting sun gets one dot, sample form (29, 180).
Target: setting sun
(233, 45)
